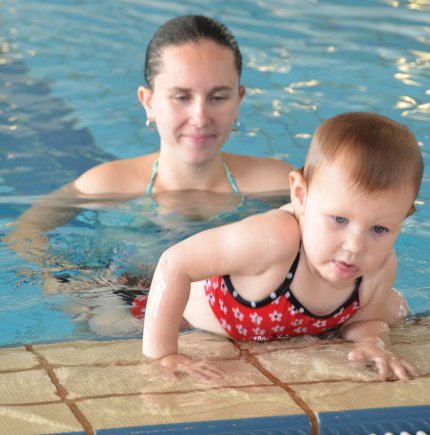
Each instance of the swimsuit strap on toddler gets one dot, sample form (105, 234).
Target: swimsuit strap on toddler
(226, 170)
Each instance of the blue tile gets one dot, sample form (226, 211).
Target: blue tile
(287, 425)
(67, 433)
(376, 421)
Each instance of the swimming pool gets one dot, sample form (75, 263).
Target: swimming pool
(68, 77)
(68, 101)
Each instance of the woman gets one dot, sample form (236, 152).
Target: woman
(192, 98)
(193, 94)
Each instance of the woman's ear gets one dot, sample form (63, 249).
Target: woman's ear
(145, 97)
(298, 190)
(242, 92)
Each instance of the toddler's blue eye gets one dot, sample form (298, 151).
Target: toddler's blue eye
(340, 219)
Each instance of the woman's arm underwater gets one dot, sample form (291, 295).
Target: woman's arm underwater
(28, 238)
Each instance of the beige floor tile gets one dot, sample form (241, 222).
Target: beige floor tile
(313, 359)
(349, 395)
(200, 344)
(116, 368)
(257, 348)
(98, 381)
(31, 386)
(37, 419)
(413, 330)
(416, 353)
(317, 363)
(196, 344)
(92, 352)
(220, 404)
(17, 358)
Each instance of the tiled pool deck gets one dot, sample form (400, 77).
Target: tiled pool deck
(300, 386)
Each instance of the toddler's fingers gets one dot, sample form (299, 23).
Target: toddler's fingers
(402, 369)
(381, 367)
(356, 356)
(379, 363)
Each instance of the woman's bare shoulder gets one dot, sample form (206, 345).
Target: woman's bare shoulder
(125, 176)
(251, 172)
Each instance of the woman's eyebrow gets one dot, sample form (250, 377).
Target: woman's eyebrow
(214, 89)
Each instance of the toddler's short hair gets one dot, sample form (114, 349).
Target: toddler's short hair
(379, 152)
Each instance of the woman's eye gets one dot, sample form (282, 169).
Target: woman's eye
(219, 97)
(181, 97)
(378, 229)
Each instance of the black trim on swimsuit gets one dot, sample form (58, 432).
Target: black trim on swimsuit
(284, 288)
(353, 298)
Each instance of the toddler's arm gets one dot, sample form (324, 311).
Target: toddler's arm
(232, 249)
(168, 297)
(369, 328)
(371, 340)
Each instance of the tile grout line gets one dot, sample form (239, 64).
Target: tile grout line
(61, 391)
(300, 402)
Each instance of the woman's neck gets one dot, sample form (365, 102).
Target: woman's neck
(179, 175)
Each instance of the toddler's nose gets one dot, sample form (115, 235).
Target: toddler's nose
(355, 242)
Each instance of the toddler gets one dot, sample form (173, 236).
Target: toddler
(323, 261)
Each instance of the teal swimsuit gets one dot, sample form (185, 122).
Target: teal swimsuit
(226, 170)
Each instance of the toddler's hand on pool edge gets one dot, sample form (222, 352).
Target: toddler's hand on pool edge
(385, 362)
(177, 364)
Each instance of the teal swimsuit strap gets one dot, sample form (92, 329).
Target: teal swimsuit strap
(230, 178)
(226, 170)
(151, 180)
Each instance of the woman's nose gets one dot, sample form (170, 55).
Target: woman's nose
(199, 114)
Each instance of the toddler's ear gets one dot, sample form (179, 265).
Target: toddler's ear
(298, 190)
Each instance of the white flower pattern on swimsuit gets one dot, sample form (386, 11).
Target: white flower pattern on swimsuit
(275, 316)
(255, 318)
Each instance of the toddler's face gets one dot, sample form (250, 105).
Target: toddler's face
(347, 232)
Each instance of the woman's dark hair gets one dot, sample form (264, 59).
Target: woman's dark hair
(182, 30)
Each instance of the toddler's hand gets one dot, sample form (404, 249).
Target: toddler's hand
(177, 364)
(386, 363)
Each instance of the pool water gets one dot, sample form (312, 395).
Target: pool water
(69, 72)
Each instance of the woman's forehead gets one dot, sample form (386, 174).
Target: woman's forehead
(189, 65)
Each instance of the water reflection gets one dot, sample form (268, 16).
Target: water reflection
(67, 101)
(419, 5)
(93, 267)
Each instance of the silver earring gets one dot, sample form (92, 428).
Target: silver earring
(150, 125)
(236, 125)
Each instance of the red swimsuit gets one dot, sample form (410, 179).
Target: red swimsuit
(279, 315)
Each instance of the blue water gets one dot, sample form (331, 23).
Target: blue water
(69, 72)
